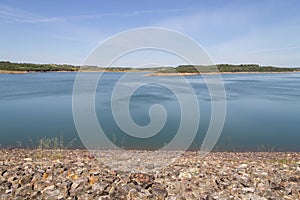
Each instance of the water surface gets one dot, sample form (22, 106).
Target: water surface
(263, 110)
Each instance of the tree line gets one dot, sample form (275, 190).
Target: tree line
(30, 67)
(232, 68)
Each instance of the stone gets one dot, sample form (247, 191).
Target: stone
(242, 166)
(54, 193)
(185, 176)
(248, 189)
(8, 191)
(99, 187)
(105, 197)
(158, 192)
(23, 191)
(142, 179)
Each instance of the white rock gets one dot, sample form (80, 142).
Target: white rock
(49, 188)
(185, 175)
(242, 166)
(54, 193)
(249, 189)
(27, 159)
(8, 191)
(264, 173)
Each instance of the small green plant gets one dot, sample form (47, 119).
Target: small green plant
(52, 148)
(19, 144)
(51, 143)
(265, 148)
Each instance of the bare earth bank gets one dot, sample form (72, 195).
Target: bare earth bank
(77, 174)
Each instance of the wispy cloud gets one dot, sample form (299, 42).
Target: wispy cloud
(269, 46)
(17, 15)
(13, 14)
(121, 14)
(197, 21)
(234, 34)
(275, 49)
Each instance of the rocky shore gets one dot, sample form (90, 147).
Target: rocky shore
(76, 174)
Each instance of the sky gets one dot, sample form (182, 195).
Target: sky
(234, 31)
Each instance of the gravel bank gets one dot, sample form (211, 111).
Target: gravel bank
(75, 174)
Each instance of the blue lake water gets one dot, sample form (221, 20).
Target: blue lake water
(263, 110)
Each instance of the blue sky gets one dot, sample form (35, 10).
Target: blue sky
(262, 32)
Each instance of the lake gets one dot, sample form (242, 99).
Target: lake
(263, 110)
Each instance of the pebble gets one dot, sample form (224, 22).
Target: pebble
(242, 166)
(185, 176)
(27, 159)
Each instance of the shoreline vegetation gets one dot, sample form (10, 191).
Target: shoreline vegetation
(181, 70)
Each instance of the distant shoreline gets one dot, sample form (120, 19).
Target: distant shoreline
(29, 72)
(13, 72)
(90, 71)
(151, 74)
(7, 67)
(208, 73)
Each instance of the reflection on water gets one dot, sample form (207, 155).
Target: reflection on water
(263, 110)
